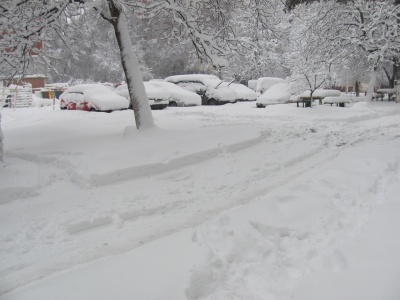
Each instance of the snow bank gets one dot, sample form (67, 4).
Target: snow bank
(41, 102)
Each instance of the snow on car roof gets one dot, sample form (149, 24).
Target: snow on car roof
(178, 93)
(152, 92)
(208, 80)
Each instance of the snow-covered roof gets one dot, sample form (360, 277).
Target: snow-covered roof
(31, 76)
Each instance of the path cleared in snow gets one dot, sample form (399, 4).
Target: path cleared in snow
(266, 196)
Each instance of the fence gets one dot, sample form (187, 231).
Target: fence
(15, 97)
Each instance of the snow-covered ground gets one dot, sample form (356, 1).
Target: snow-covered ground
(218, 202)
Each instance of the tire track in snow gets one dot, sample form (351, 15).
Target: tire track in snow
(188, 210)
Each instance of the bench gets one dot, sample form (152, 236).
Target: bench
(339, 101)
(306, 100)
(381, 94)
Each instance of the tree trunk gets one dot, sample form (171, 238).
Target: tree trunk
(394, 76)
(1, 143)
(372, 82)
(138, 97)
(357, 87)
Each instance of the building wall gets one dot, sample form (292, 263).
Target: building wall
(36, 82)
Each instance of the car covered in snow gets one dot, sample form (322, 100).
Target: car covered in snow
(252, 84)
(243, 93)
(279, 93)
(178, 95)
(209, 87)
(92, 97)
(158, 98)
(265, 83)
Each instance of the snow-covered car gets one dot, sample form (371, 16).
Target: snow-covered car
(209, 87)
(92, 97)
(252, 84)
(279, 93)
(178, 95)
(158, 98)
(265, 83)
(243, 93)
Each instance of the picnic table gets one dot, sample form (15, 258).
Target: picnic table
(381, 94)
(339, 101)
(306, 100)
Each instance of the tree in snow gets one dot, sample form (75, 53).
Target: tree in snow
(25, 23)
(91, 53)
(373, 26)
(1, 143)
(261, 29)
(312, 52)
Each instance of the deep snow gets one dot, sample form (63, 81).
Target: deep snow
(218, 202)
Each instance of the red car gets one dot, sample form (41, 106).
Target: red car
(92, 97)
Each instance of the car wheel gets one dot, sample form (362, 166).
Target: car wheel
(63, 107)
(212, 102)
(92, 109)
(173, 104)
